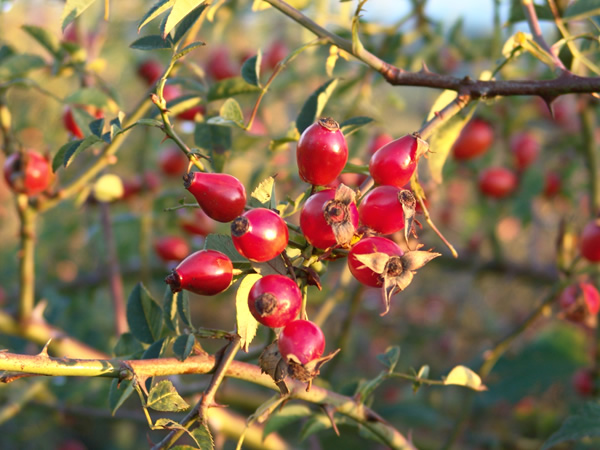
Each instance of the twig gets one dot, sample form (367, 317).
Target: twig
(27, 217)
(534, 26)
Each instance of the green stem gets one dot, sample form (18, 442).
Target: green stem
(27, 216)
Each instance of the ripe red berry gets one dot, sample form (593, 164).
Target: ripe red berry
(497, 182)
(379, 141)
(220, 66)
(197, 222)
(27, 172)
(322, 152)
(302, 339)
(525, 148)
(221, 196)
(552, 184)
(583, 382)
(275, 300)
(150, 70)
(171, 248)
(589, 244)
(275, 53)
(173, 161)
(367, 246)
(171, 92)
(205, 272)
(329, 217)
(259, 234)
(70, 124)
(381, 210)
(474, 140)
(579, 301)
(394, 163)
(190, 114)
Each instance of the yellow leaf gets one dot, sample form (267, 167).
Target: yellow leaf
(463, 376)
(246, 323)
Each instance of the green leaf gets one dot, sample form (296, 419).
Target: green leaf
(313, 107)
(183, 346)
(203, 437)
(230, 88)
(517, 14)
(390, 358)
(463, 376)
(251, 69)
(150, 123)
(119, 392)
(156, 350)
(151, 42)
(5, 52)
(19, 64)
(314, 424)
(72, 10)
(349, 126)
(285, 416)
(59, 157)
(444, 136)
(264, 194)
(188, 48)
(144, 316)
(584, 423)
(96, 127)
(183, 307)
(127, 345)
(164, 397)
(170, 310)
(180, 10)
(88, 96)
(75, 150)
(44, 38)
(246, 323)
(581, 10)
(217, 140)
(230, 114)
(188, 22)
(159, 7)
(224, 244)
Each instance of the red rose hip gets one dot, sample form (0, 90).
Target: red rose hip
(474, 140)
(171, 248)
(368, 246)
(394, 163)
(27, 172)
(322, 152)
(381, 210)
(329, 217)
(221, 196)
(205, 272)
(173, 162)
(302, 339)
(197, 222)
(150, 70)
(579, 301)
(70, 124)
(275, 300)
(525, 148)
(589, 244)
(497, 182)
(259, 234)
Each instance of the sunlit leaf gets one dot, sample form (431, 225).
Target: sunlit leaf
(313, 107)
(180, 10)
(246, 323)
(463, 376)
(187, 23)
(264, 194)
(164, 397)
(159, 7)
(72, 9)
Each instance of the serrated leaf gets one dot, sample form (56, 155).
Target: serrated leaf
(224, 244)
(151, 42)
(347, 127)
(183, 346)
(19, 64)
(230, 114)
(285, 416)
(72, 151)
(188, 48)
(72, 10)
(264, 194)
(159, 7)
(230, 88)
(313, 107)
(88, 96)
(246, 323)
(144, 316)
(188, 22)
(119, 392)
(180, 10)
(164, 397)
(127, 345)
(217, 140)
(203, 437)
(59, 158)
(96, 127)
(251, 69)
(584, 423)
(442, 140)
(170, 310)
(390, 358)
(463, 376)
(581, 10)
(183, 307)
(44, 38)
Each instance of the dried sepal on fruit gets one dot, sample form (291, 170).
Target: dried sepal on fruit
(409, 204)
(337, 214)
(309, 371)
(397, 272)
(271, 363)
